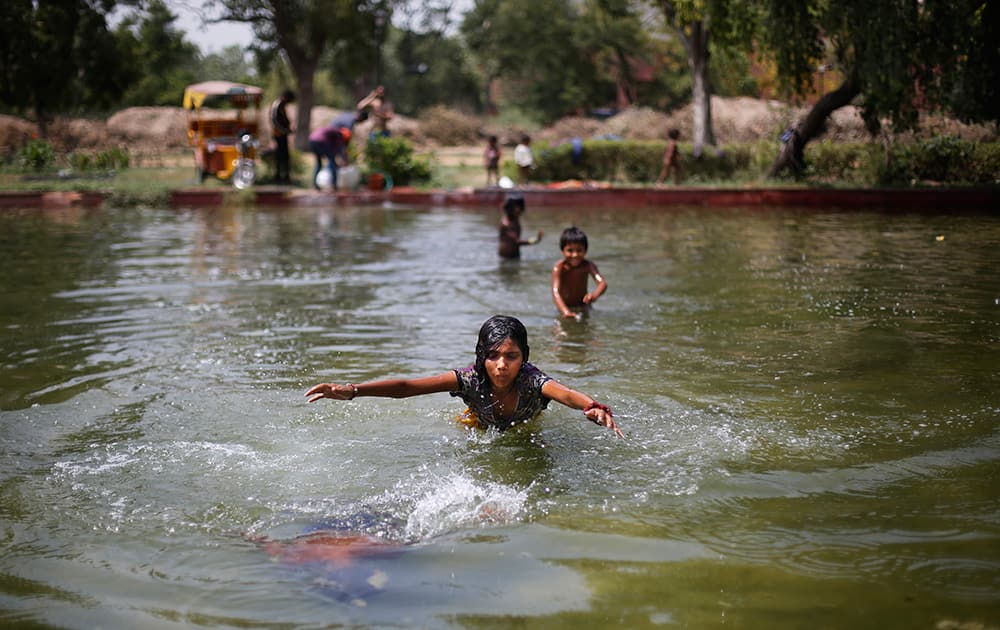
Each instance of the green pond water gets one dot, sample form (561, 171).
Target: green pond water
(811, 401)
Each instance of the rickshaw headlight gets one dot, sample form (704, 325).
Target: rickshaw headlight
(247, 142)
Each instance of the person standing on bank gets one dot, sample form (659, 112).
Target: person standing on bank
(671, 159)
(501, 388)
(329, 143)
(281, 128)
(524, 159)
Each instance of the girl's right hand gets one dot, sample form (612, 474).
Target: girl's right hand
(333, 391)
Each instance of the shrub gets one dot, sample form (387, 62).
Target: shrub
(37, 156)
(639, 162)
(394, 157)
(845, 163)
(941, 159)
(946, 159)
(113, 159)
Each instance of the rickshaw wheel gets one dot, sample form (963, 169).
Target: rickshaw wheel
(245, 174)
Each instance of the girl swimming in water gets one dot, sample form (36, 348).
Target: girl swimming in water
(501, 388)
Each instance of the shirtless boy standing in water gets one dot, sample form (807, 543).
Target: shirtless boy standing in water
(571, 274)
(510, 228)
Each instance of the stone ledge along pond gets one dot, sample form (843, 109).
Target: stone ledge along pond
(810, 398)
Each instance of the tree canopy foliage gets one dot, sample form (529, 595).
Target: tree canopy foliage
(58, 56)
(900, 57)
(557, 56)
(895, 58)
(163, 60)
(302, 31)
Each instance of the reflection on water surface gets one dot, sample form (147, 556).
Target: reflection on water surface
(809, 399)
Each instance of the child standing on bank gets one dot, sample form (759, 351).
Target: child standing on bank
(671, 159)
(525, 159)
(510, 228)
(491, 157)
(570, 275)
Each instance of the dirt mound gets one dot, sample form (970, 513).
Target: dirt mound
(151, 133)
(449, 127)
(571, 127)
(734, 120)
(14, 134)
(321, 115)
(145, 129)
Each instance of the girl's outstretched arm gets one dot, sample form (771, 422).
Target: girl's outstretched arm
(594, 411)
(391, 388)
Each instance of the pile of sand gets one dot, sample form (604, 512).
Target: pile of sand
(152, 133)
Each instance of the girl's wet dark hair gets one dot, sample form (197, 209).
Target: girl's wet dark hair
(492, 333)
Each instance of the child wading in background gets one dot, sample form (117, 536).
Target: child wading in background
(671, 159)
(491, 158)
(510, 228)
(570, 275)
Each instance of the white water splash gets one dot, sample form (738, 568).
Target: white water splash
(457, 501)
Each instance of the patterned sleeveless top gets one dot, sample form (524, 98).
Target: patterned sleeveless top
(476, 394)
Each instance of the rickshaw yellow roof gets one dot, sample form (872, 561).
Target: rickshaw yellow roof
(195, 94)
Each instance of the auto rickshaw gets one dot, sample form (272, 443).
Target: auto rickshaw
(223, 122)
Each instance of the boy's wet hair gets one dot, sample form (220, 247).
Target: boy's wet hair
(492, 333)
(513, 200)
(572, 235)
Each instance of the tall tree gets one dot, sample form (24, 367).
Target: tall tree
(704, 25)
(546, 51)
(166, 62)
(302, 31)
(899, 56)
(613, 35)
(693, 24)
(531, 44)
(59, 56)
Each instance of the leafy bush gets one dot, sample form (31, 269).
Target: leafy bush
(37, 156)
(941, 159)
(844, 163)
(111, 160)
(639, 162)
(394, 157)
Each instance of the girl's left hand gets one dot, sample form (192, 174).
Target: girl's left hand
(332, 390)
(603, 418)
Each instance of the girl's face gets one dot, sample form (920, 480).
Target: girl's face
(503, 364)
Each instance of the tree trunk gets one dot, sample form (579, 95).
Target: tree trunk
(790, 156)
(697, 48)
(304, 77)
(694, 36)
